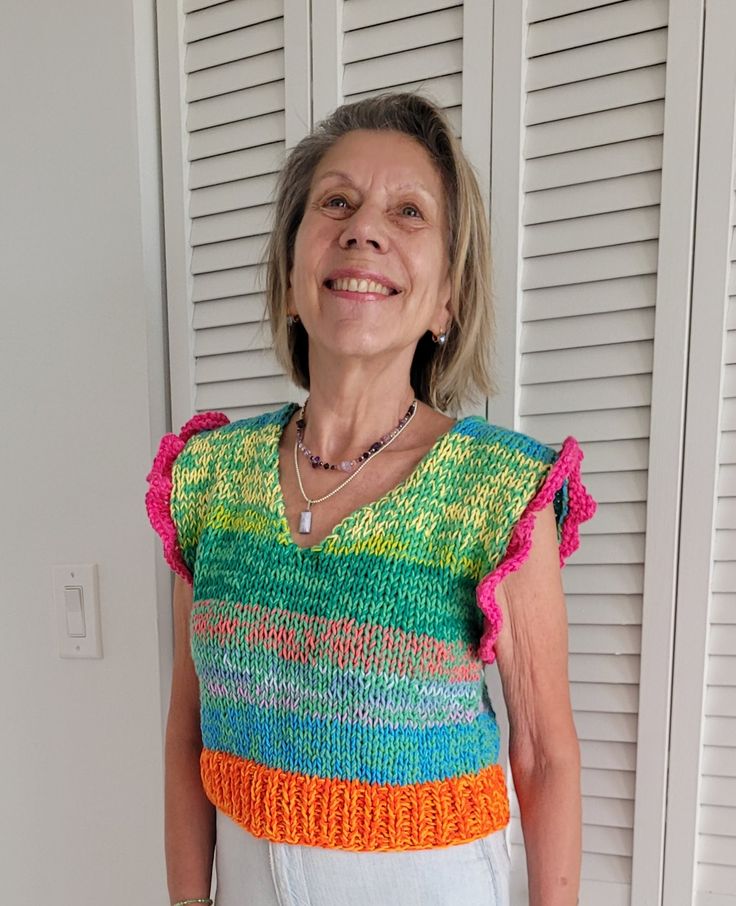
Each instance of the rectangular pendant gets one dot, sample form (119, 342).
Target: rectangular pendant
(305, 522)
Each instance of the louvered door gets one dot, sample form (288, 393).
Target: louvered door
(581, 120)
(715, 848)
(593, 127)
(585, 280)
(234, 66)
(715, 882)
(234, 134)
(700, 864)
(410, 46)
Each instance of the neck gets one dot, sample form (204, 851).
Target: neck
(337, 430)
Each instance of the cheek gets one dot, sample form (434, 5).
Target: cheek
(303, 256)
(428, 263)
(440, 260)
(310, 246)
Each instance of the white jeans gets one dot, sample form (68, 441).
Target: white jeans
(253, 871)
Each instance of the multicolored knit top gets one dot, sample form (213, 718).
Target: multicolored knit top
(342, 691)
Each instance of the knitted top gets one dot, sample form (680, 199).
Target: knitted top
(342, 690)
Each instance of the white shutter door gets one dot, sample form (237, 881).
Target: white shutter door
(701, 840)
(716, 843)
(589, 177)
(234, 125)
(592, 250)
(234, 70)
(411, 46)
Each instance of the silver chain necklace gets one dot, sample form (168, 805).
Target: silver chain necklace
(305, 516)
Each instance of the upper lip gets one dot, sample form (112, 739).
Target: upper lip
(361, 274)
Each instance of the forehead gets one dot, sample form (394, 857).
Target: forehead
(392, 159)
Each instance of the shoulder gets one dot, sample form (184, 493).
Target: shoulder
(532, 474)
(505, 445)
(211, 433)
(184, 471)
(191, 452)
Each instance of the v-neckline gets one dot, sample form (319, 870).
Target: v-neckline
(283, 416)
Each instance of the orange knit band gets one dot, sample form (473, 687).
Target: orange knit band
(346, 814)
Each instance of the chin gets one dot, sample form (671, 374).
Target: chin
(357, 346)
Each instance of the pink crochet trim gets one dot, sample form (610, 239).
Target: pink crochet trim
(158, 495)
(581, 507)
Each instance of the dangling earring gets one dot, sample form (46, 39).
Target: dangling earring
(441, 339)
(291, 320)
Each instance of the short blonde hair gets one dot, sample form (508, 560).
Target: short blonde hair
(442, 375)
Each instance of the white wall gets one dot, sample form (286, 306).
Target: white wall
(81, 762)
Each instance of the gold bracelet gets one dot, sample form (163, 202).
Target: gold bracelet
(206, 900)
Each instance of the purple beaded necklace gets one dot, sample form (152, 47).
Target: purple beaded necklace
(305, 516)
(347, 465)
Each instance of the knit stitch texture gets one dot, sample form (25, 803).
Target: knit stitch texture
(343, 701)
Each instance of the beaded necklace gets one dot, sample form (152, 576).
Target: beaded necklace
(305, 516)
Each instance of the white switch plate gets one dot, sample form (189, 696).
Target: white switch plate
(77, 610)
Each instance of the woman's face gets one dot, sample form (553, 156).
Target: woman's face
(375, 212)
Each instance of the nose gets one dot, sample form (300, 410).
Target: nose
(364, 229)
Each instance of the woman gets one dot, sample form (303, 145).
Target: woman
(329, 724)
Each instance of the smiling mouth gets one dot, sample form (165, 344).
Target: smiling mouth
(354, 287)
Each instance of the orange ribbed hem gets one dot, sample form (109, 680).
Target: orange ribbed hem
(289, 807)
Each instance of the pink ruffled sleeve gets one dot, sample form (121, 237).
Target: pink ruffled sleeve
(572, 504)
(159, 496)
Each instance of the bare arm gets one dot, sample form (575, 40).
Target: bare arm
(189, 815)
(532, 652)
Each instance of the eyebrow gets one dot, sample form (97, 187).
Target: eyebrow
(400, 188)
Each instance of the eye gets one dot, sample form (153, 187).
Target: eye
(411, 207)
(328, 202)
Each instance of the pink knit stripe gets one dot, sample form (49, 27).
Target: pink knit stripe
(581, 507)
(158, 495)
(344, 641)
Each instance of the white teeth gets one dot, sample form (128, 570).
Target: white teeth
(360, 286)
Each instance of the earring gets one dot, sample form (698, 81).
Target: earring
(441, 339)
(291, 320)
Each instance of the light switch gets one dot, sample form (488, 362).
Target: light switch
(74, 601)
(77, 606)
